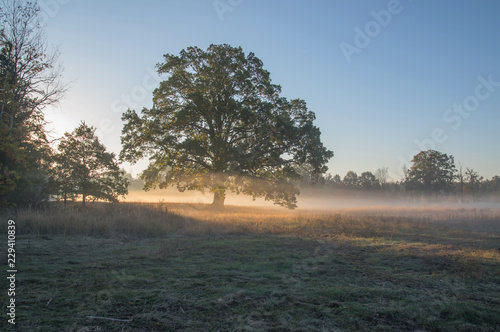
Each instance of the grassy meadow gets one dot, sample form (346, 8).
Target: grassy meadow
(187, 267)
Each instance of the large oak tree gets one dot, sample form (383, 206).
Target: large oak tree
(218, 123)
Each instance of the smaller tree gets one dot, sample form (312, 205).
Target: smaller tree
(432, 172)
(84, 167)
(333, 181)
(337, 180)
(405, 171)
(492, 187)
(460, 178)
(382, 176)
(473, 181)
(351, 180)
(368, 181)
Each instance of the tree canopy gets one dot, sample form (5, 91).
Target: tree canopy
(351, 179)
(84, 167)
(368, 181)
(218, 123)
(432, 172)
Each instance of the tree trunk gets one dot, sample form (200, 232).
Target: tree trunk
(461, 190)
(219, 197)
(83, 199)
(11, 124)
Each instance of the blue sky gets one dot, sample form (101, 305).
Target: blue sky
(385, 78)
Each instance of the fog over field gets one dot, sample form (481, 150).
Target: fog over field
(314, 200)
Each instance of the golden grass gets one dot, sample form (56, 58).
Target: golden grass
(158, 219)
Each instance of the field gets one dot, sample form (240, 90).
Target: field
(186, 267)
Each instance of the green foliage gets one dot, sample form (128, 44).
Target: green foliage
(368, 181)
(473, 181)
(335, 179)
(219, 123)
(24, 154)
(432, 172)
(32, 169)
(492, 187)
(84, 167)
(351, 180)
(8, 175)
(23, 167)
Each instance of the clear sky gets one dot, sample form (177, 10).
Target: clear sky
(385, 78)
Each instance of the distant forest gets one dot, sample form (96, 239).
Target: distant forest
(431, 174)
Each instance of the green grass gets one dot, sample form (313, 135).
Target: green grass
(187, 268)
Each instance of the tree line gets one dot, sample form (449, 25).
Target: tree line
(432, 173)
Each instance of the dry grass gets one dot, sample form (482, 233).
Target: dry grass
(170, 267)
(462, 235)
(159, 219)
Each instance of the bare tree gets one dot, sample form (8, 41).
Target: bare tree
(382, 175)
(460, 177)
(30, 73)
(473, 181)
(405, 170)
